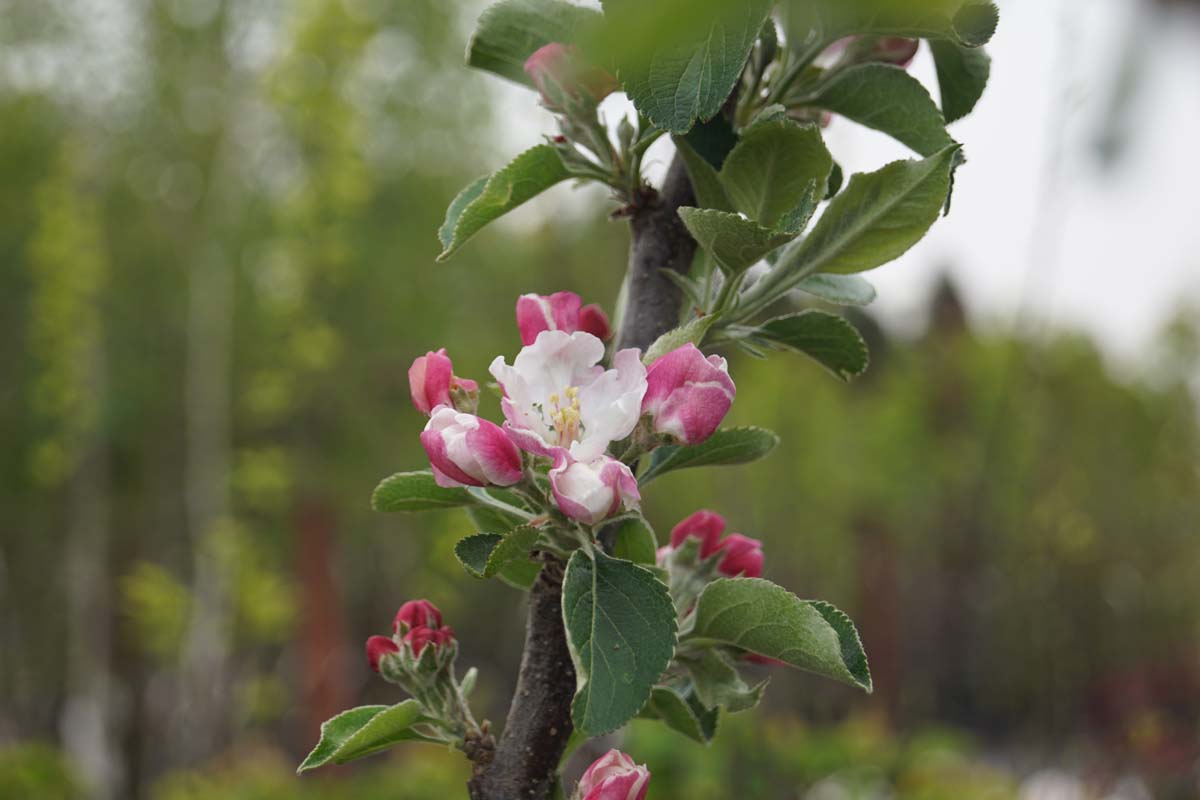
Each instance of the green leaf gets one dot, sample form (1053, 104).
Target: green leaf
(633, 540)
(843, 290)
(880, 215)
(485, 555)
(875, 219)
(736, 243)
(826, 338)
(725, 447)
(488, 199)
(962, 75)
(363, 731)
(718, 684)
(416, 491)
(695, 63)
(887, 99)
(620, 626)
(760, 617)
(795, 221)
(691, 332)
(510, 31)
(519, 574)
(683, 714)
(970, 24)
(773, 167)
(706, 182)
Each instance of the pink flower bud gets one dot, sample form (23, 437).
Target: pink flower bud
(687, 394)
(593, 320)
(896, 50)
(591, 492)
(417, 614)
(377, 648)
(743, 557)
(432, 381)
(417, 638)
(558, 71)
(465, 450)
(614, 776)
(707, 526)
(555, 312)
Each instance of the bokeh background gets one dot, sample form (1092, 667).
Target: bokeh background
(217, 261)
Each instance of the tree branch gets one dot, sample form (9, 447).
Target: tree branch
(525, 763)
(660, 242)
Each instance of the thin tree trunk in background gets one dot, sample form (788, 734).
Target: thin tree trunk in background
(87, 723)
(881, 612)
(203, 707)
(325, 685)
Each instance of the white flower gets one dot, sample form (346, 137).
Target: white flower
(558, 398)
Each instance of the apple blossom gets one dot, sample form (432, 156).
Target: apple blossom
(741, 557)
(688, 395)
(465, 450)
(614, 776)
(707, 526)
(432, 382)
(590, 492)
(560, 72)
(557, 397)
(417, 614)
(561, 311)
(377, 648)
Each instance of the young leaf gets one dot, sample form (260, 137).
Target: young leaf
(485, 555)
(490, 198)
(363, 731)
(877, 218)
(725, 447)
(620, 626)
(633, 540)
(510, 31)
(736, 243)
(416, 491)
(773, 167)
(887, 99)
(826, 338)
(682, 714)
(758, 616)
(706, 182)
(718, 684)
(842, 290)
(696, 62)
(962, 75)
(692, 332)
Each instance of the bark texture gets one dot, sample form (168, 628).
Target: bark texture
(660, 243)
(524, 764)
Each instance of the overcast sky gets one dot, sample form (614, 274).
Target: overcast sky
(1040, 234)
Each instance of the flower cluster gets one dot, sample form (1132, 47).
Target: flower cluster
(735, 555)
(700, 552)
(419, 657)
(571, 416)
(614, 776)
